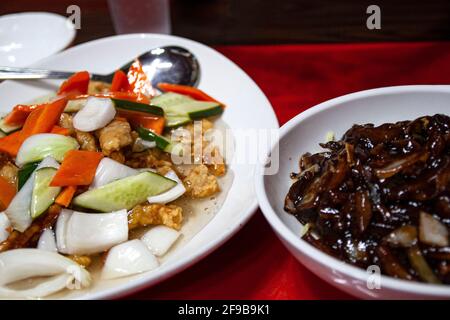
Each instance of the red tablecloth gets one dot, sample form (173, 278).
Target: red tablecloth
(254, 264)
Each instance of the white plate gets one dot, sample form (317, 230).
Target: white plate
(28, 37)
(222, 79)
(303, 134)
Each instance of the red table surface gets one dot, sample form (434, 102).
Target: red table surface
(254, 264)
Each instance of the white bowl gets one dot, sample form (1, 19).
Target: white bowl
(302, 134)
(30, 36)
(219, 77)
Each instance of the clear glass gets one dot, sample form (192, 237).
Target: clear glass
(136, 16)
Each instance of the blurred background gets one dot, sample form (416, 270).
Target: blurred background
(265, 21)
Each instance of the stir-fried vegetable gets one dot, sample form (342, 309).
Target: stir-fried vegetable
(65, 197)
(77, 169)
(87, 233)
(192, 92)
(171, 194)
(39, 146)
(18, 211)
(5, 226)
(41, 120)
(7, 193)
(131, 257)
(120, 82)
(138, 107)
(25, 173)
(39, 143)
(60, 130)
(19, 114)
(124, 193)
(47, 241)
(96, 114)
(76, 84)
(109, 170)
(159, 239)
(44, 194)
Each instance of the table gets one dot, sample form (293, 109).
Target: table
(254, 264)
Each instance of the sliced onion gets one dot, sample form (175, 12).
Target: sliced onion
(171, 194)
(96, 114)
(61, 230)
(21, 264)
(109, 170)
(4, 225)
(128, 258)
(47, 241)
(18, 210)
(159, 239)
(88, 233)
(39, 146)
(48, 162)
(421, 266)
(405, 236)
(432, 231)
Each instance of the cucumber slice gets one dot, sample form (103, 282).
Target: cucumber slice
(2, 134)
(43, 195)
(176, 121)
(6, 128)
(170, 99)
(180, 109)
(136, 106)
(124, 193)
(25, 172)
(161, 142)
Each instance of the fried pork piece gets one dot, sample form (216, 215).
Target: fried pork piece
(66, 121)
(151, 158)
(155, 214)
(215, 162)
(86, 140)
(210, 154)
(115, 136)
(9, 172)
(200, 183)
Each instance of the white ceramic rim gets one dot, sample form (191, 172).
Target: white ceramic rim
(182, 263)
(287, 235)
(68, 41)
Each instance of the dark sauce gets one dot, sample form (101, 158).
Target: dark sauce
(381, 196)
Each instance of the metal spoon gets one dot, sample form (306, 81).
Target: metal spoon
(170, 64)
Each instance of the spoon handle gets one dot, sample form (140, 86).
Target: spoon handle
(12, 73)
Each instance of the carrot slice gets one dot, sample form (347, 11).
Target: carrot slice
(7, 193)
(116, 95)
(77, 169)
(194, 93)
(60, 130)
(140, 119)
(120, 82)
(65, 197)
(19, 114)
(76, 84)
(44, 118)
(41, 120)
(11, 143)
